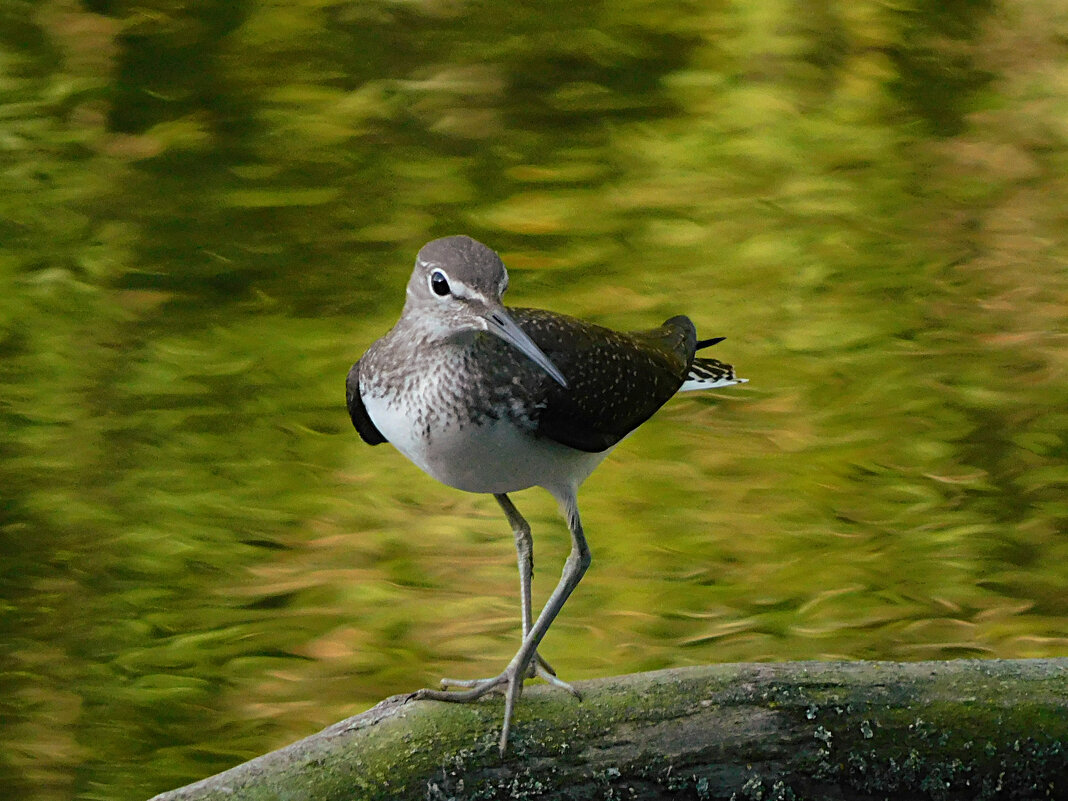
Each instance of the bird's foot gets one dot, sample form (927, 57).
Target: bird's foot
(538, 668)
(510, 682)
(544, 671)
(476, 688)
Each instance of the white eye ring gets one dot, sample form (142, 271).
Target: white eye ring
(439, 283)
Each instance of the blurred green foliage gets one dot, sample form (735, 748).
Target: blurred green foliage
(210, 209)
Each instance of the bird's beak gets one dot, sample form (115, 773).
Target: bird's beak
(499, 323)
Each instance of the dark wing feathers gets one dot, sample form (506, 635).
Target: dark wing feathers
(616, 380)
(360, 419)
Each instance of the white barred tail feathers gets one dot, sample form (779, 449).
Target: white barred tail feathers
(709, 373)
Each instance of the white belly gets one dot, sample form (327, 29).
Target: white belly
(493, 456)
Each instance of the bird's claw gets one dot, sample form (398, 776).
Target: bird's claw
(510, 683)
(538, 668)
(544, 671)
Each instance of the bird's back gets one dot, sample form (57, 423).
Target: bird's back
(616, 380)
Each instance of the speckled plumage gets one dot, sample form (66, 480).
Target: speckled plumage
(494, 400)
(616, 380)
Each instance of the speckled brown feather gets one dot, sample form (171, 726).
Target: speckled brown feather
(616, 380)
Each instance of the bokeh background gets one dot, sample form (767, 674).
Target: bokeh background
(208, 210)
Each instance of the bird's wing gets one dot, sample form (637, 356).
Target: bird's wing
(616, 380)
(358, 412)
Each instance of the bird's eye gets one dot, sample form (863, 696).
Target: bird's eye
(439, 284)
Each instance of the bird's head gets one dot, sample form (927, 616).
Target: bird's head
(456, 287)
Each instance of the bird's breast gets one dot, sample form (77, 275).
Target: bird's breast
(470, 428)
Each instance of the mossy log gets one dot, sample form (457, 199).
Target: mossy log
(840, 730)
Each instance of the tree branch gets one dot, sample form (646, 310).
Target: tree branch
(841, 730)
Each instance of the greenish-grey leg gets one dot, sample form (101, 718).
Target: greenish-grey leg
(526, 658)
(574, 568)
(524, 548)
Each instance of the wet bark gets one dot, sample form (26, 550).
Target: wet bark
(842, 730)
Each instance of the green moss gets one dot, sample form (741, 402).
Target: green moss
(900, 740)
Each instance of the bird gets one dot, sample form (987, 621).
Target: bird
(489, 399)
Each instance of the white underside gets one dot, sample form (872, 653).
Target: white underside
(495, 456)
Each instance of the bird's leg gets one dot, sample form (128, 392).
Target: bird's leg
(524, 547)
(574, 568)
